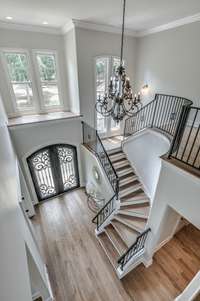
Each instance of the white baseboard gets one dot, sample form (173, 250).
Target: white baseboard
(147, 263)
(164, 242)
(51, 297)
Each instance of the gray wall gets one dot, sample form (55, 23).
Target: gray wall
(30, 138)
(90, 44)
(169, 62)
(14, 284)
(32, 40)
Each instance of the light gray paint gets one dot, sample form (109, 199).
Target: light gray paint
(30, 41)
(147, 164)
(169, 62)
(14, 284)
(179, 190)
(28, 139)
(91, 44)
(72, 70)
(141, 14)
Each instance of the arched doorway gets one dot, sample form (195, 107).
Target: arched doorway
(54, 170)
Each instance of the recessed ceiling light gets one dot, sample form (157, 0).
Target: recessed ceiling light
(45, 23)
(9, 18)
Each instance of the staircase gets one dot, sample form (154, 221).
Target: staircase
(122, 223)
(130, 219)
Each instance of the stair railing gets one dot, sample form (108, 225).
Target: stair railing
(163, 113)
(92, 140)
(185, 146)
(137, 246)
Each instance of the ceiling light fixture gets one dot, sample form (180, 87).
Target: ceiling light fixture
(9, 18)
(45, 23)
(118, 102)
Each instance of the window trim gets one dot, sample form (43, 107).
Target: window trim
(110, 58)
(44, 108)
(16, 111)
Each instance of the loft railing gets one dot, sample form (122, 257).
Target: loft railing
(92, 140)
(134, 249)
(164, 113)
(186, 143)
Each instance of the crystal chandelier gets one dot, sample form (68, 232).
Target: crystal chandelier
(119, 102)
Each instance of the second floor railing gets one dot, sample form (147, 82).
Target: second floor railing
(186, 143)
(163, 113)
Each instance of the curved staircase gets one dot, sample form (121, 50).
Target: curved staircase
(130, 219)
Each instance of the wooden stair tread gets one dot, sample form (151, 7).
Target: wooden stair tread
(114, 151)
(117, 157)
(136, 209)
(136, 195)
(129, 184)
(125, 171)
(128, 235)
(127, 180)
(121, 164)
(116, 239)
(133, 222)
(109, 249)
(129, 190)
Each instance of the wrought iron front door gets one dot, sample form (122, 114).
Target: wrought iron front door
(54, 170)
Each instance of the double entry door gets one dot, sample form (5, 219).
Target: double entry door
(54, 170)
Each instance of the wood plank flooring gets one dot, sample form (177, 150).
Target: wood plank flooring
(80, 271)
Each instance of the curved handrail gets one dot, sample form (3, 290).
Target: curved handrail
(136, 247)
(163, 112)
(93, 141)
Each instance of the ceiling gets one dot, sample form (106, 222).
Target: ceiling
(141, 14)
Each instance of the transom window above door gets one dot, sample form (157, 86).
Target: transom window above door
(33, 81)
(105, 67)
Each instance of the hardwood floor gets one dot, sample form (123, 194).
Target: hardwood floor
(80, 271)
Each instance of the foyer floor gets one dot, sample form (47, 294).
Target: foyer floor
(80, 271)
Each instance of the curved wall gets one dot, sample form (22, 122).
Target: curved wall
(143, 151)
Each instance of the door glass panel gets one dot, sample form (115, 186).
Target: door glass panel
(54, 170)
(41, 170)
(67, 161)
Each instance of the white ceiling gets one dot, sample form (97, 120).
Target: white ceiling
(141, 14)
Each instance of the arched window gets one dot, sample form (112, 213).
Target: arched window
(105, 67)
(54, 170)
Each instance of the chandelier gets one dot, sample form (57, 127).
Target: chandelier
(118, 101)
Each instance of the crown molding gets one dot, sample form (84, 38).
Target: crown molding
(67, 27)
(32, 28)
(171, 25)
(96, 27)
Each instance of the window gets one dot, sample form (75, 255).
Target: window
(20, 80)
(33, 92)
(48, 79)
(105, 68)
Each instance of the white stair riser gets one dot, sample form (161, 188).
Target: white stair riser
(132, 213)
(129, 225)
(134, 202)
(124, 172)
